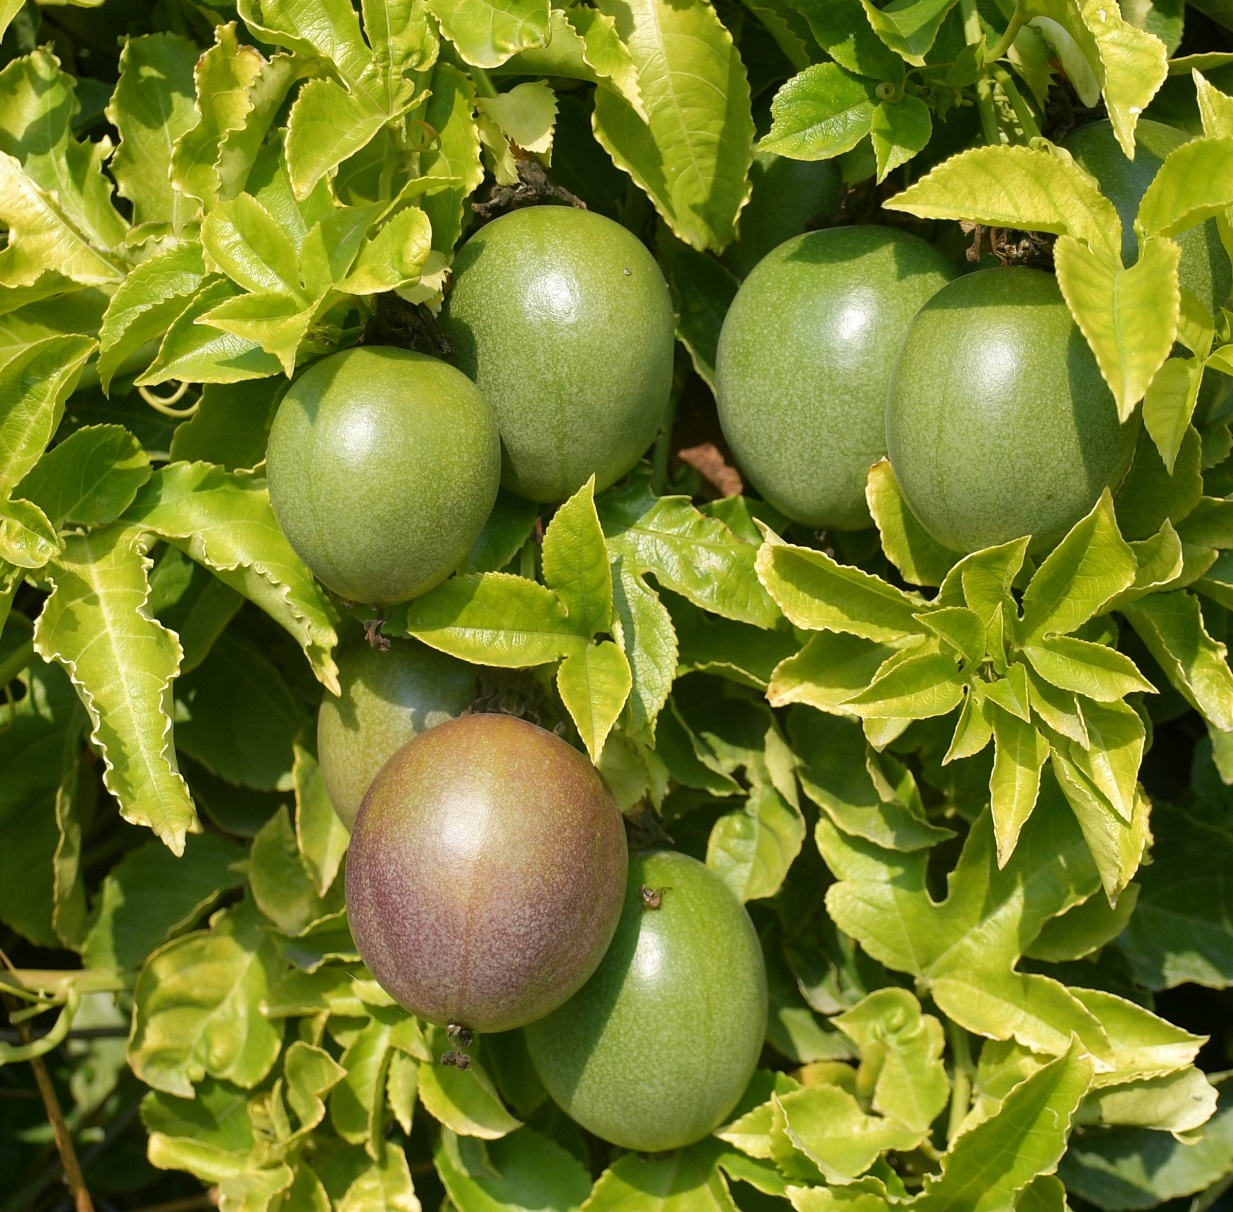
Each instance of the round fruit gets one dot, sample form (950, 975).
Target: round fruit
(805, 356)
(784, 196)
(998, 422)
(486, 872)
(383, 466)
(1204, 268)
(564, 321)
(661, 1042)
(387, 698)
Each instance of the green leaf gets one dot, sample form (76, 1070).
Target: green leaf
(918, 556)
(1171, 625)
(831, 669)
(691, 155)
(909, 27)
(224, 521)
(464, 1101)
(828, 1126)
(242, 240)
(1180, 931)
(911, 686)
(491, 618)
(1021, 187)
(152, 107)
(1193, 184)
(27, 537)
(522, 1170)
(594, 683)
(649, 638)
(1129, 316)
(319, 833)
(752, 847)
(899, 129)
(697, 556)
(455, 158)
(283, 887)
(737, 651)
(702, 290)
(991, 1163)
(89, 478)
(964, 950)
(122, 662)
(188, 600)
(901, 1056)
(150, 895)
(43, 236)
(33, 388)
(683, 1181)
(394, 257)
(384, 1187)
(488, 32)
(198, 1007)
(1169, 406)
(575, 563)
(231, 425)
(837, 773)
(357, 1102)
(1136, 1168)
(327, 125)
(1094, 671)
(1080, 576)
(820, 113)
(1018, 756)
(153, 295)
(818, 593)
(1085, 929)
(225, 77)
(200, 353)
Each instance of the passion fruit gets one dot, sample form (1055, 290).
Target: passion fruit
(486, 873)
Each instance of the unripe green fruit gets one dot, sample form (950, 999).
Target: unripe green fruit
(1204, 269)
(383, 466)
(659, 1045)
(486, 873)
(998, 422)
(387, 698)
(564, 321)
(805, 357)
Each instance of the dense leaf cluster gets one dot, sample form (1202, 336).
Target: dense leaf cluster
(978, 806)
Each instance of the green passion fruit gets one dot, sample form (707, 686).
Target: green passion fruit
(486, 873)
(563, 319)
(805, 357)
(658, 1046)
(387, 698)
(1204, 269)
(383, 466)
(998, 422)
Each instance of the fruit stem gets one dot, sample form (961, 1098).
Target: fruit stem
(1023, 111)
(974, 35)
(961, 1079)
(1008, 38)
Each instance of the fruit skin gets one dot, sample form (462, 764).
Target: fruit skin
(1204, 269)
(660, 1044)
(805, 357)
(387, 698)
(486, 873)
(564, 320)
(998, 422)
(383, 466)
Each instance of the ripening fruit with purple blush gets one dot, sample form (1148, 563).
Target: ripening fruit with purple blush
(486, 873)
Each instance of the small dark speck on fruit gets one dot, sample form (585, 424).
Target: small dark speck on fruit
(628, 272)
(460, 1035)
(653, 898)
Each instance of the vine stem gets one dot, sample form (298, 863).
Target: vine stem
(1023, 111)
(18, 661)
(973, 35)
(59, 1128)
(1012, 32)
(961, 1079)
